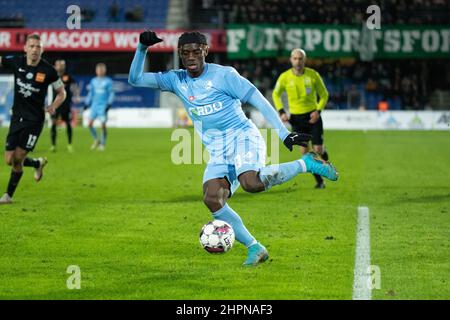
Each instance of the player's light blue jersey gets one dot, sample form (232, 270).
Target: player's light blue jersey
(100, 93)
(212, 100)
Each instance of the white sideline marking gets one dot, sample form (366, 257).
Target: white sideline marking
(362, 279)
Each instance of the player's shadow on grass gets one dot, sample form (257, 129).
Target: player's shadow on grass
(239, 194)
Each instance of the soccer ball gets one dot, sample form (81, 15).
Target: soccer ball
(217, 236)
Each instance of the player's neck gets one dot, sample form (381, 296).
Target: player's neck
(197, 73)
(298, 72)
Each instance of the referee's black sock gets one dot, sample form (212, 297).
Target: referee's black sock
(29, 162)
(318, 178)
(13, 182)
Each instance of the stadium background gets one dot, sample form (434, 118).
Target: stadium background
(129, 217)
(357, 79)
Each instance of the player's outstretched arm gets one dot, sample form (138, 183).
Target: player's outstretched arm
(137, 77)
(242, 89)
(257, 100)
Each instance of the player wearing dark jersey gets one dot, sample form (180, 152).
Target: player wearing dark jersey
(32, 76)
(64, 111)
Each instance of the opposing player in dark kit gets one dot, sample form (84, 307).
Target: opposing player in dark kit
(32, 76)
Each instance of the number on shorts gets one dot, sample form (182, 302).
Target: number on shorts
(31, 141)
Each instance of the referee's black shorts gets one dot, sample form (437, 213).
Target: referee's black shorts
(300, 123)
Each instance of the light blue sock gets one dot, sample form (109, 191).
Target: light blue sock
(240, 231)
(103, 139)
(93, 132)
(280, 173)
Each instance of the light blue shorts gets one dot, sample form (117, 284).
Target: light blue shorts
(247, 152)
(100, 115)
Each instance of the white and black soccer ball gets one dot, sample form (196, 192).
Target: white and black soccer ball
(217, 236)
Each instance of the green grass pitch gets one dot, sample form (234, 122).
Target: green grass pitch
(130, 220)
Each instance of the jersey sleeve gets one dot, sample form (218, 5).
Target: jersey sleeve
(166, 80)
(321, 91)
(138, 78)
(257, 100)
(54, 79)
(53, 75)
(237, 86)
(278, 92)
(111, 92)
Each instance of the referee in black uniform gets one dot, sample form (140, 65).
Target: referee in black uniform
(32, 76)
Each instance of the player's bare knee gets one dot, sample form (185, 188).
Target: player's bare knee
(214, 200)
(250, 182)
(249, 185)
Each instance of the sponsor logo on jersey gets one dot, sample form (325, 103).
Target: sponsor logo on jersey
(26, 89)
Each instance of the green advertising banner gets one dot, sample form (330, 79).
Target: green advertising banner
(334, 41)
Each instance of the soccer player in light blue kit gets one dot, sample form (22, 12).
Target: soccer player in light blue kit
(99, 99)
(212, 95)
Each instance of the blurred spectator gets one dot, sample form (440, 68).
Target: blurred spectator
(114, 12)
(135, 15)
(12, 21)
(87, 14)
(328, 11)
(352, 85)
(354, 97)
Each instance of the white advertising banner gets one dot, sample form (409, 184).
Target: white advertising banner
(389, 120)
(375, 120)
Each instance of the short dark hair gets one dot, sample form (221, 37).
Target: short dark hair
(100, 64)
(192, 37)
(34, 36)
